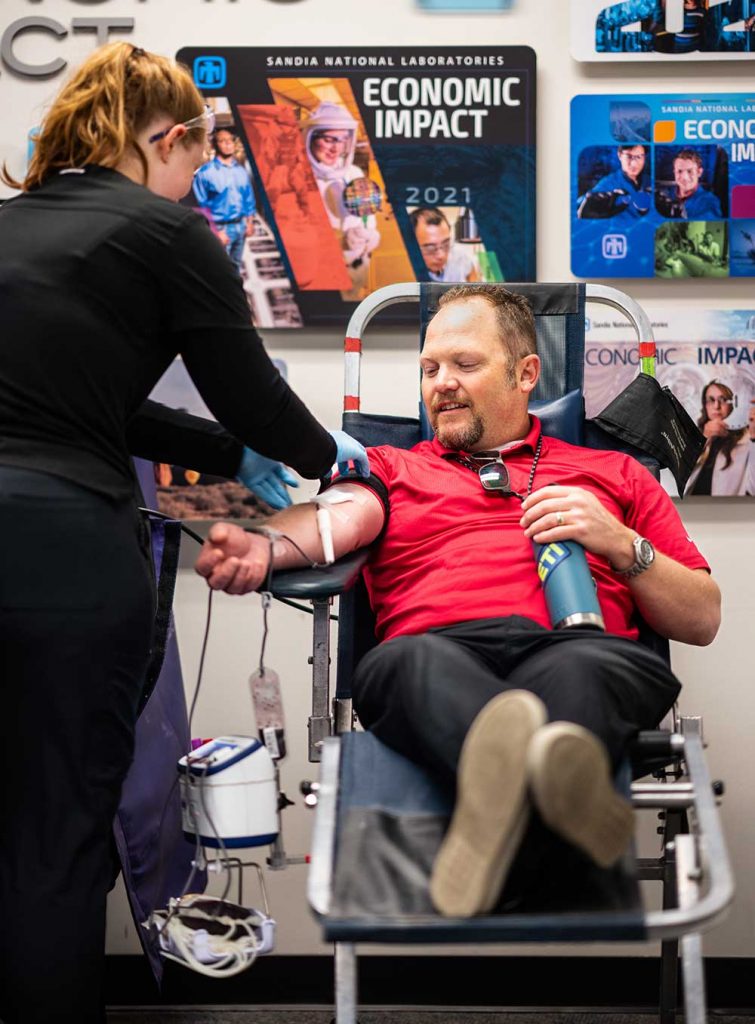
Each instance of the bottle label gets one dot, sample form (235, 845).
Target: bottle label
(551, 556)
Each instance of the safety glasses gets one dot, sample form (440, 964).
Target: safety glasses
(204, 120)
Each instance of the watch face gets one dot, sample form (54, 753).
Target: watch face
(645, 551)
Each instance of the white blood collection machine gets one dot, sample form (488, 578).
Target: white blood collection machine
(229, 793)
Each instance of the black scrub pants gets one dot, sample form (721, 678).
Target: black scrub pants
(420, 694)
(76, 612)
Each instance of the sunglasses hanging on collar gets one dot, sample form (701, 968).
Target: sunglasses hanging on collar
(493, 472)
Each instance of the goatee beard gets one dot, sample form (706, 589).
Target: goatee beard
(461, 439)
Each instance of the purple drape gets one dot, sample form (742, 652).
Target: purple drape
(155, 857)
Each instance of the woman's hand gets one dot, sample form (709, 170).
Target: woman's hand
(350, 450)
(266, 478)
(715, 428)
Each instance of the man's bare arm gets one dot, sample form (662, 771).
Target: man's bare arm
(678, 603)
(237, 562)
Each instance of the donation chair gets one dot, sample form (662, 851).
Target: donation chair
(380, 818)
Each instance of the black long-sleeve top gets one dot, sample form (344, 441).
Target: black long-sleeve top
(102, 284)
(161, 434)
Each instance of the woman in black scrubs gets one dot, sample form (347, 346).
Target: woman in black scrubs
(104, 278)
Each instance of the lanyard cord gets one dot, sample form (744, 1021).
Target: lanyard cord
(463, 460)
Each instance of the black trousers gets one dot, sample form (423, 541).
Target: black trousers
(76, 612)
(420, 694)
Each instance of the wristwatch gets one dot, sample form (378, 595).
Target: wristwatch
(644, 556)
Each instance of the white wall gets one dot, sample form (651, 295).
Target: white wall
(717, 679)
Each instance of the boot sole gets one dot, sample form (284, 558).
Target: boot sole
(492, 808)
(572, 788)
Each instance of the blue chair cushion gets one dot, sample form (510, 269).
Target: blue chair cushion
(563, 417)
(391, 818)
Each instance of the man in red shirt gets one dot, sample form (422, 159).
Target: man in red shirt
(469, 679)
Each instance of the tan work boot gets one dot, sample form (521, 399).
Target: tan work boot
(572, 788)
(492, 807)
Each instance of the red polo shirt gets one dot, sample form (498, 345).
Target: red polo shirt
(452, 552)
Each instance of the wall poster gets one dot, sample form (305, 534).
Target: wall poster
(663, 186)
(182, 491)
(670, 30)
(336, 171)
(707, 358)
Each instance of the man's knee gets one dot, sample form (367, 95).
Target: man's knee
(607, 684)
(590, 661)
(386, 686)
(392, 659)
(614, 661)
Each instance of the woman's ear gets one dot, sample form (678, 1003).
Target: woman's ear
(167, 143)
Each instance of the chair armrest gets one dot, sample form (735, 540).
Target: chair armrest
(331, 580)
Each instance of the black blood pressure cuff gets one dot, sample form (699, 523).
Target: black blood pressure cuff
(372, 482)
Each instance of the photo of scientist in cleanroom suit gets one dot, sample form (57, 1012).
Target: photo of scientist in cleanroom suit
(330, 138)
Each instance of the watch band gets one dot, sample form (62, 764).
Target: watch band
(641, 564)
(632, 571)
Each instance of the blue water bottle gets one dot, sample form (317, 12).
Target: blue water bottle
(568, 586)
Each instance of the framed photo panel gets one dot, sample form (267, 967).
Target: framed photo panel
(663, 186)
(366, 167)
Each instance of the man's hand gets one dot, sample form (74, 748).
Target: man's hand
(232, 560)
(223, 236)
(571, 513)
(679, 603)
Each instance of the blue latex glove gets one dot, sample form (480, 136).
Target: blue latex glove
(350, 450)
(266, 478)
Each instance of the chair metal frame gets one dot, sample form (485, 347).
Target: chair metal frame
(693, 866)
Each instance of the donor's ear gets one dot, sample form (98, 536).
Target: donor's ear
(529, 372)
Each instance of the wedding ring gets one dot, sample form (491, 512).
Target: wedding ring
(560, 518)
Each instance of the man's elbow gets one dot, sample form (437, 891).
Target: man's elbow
(707, 621)
(699, 633)
(705, 632)
(363, 529)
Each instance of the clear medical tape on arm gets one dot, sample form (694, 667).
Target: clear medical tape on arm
(327, 505)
